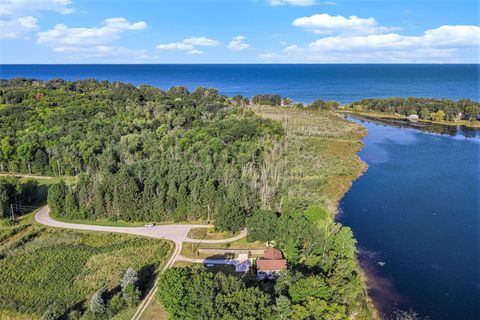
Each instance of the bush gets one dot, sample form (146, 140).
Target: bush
(131, 295)
(116, 304)
(74, 315)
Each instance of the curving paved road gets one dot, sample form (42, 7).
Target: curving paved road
(174, 232)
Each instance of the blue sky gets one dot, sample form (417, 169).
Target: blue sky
(249, 31)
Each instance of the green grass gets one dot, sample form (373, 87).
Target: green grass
(154, 311)
(190, 250)
(210, 234)
(41, 266)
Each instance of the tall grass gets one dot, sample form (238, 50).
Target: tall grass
(319, 155)
(42, 266)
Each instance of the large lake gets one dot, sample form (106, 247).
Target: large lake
(416, 216)
(301, 82)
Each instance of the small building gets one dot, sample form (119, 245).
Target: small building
(271, 264)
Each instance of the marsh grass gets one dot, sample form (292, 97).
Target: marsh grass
(320, 151)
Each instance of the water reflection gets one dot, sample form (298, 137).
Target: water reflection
(450, 130)
(417, 208)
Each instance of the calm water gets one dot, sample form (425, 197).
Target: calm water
(343, 83)
(416, 216)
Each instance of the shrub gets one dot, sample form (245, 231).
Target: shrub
(116, 304)
(131, 295)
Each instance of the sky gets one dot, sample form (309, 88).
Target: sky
(248, 31)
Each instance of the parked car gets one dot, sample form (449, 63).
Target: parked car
(150, 225)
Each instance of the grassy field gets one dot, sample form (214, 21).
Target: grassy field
(320, 154)
(40, 266)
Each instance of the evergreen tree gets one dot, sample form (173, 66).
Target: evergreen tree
(56, 198)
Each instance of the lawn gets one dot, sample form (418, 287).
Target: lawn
(210, 234)
(42, 266)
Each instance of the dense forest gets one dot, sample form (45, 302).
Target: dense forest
(425, 108)
(138, 153)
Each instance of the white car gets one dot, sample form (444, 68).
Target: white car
(150, 225)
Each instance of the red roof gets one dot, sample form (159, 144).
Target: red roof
(273, 254)
(269, 265)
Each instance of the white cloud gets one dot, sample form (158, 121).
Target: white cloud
(195, 52)
(14, 28)
(24, 7)
(330, 3)
(189, 45)
(327, 24)
(18, 17)
(110, 30)
(238, 44)
(441, 45)
(175, 46)
(102, 51)
(201, 41)
(300, 3)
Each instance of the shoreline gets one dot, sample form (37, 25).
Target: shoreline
(368, 276)
(388, 116)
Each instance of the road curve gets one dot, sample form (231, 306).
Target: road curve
(174, 232)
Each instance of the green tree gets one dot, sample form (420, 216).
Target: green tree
(425, 113)
(262, 225)
(97, 303)
(56, 198)
(71, 205)
(250, 303)
(131, 295)
(172, 291)
(438, 116)
(309, 287)
(283, 308)
(130, 292)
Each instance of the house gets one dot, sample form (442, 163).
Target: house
(272, 263)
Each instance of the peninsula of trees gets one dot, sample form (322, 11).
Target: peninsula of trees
(436, 110)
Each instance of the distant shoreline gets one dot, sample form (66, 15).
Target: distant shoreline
(388, 116)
